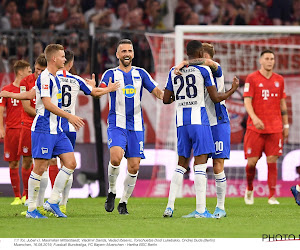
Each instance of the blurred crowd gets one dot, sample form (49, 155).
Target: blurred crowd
(119, 17)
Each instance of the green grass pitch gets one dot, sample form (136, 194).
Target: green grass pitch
(87, 218)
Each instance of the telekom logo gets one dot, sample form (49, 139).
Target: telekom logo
(265, 94)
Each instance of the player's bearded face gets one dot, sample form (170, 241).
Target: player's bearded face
(125, 54)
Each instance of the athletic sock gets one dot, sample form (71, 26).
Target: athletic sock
(221, 183)
(129, 184)
(113, 172)
(53, 171)
(25, 176)
(272, 178)
(66, 191)
(33, 190)
(15, 181)
(43, 186)
(59, 184)
(176, 182)
(200, 187)
(250, 172)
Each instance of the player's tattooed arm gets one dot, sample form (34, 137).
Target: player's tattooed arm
(196, 61)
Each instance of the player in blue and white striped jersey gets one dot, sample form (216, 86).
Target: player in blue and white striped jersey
(48, 140)
(71, 85)
(125, 121)
(193, 127)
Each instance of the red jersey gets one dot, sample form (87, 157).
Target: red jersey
(13, 108)
(266, 95)
(27, 84)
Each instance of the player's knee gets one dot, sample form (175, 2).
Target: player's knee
(13, 164)
(115, 161)
(71, 164)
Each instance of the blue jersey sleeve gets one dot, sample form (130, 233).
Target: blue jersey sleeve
(105, 77)
(147, 81)
(218, 73)
(169, 85)
(87, 89)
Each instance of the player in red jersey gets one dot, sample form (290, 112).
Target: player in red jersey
(27, 117)
(267, 125)
(11, 133)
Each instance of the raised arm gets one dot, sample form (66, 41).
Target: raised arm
(111, 87)
(28, 95)
(196, 61)
(216, 96)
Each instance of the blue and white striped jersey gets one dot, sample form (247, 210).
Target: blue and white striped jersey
(70, 87)
(189, 91)
(217, 112)
(125, 110)
(47, 85)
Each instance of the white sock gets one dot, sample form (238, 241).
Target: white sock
(113, 172)
(129, 184)
(221, 183)
(33, 190)
(298, 188)
(200, 187)
(59, 184)
(176, 182)
(66, 191)
(43, 186)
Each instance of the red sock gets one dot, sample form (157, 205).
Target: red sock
(272, 178)
(15, 181)
(25, 176)
(53, 171)
(250, 172)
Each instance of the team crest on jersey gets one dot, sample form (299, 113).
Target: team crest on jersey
(25, 150)
(276, 84)
(249, 150)
(22, 89)
(7, 154)
(109, 141)
(129, 91)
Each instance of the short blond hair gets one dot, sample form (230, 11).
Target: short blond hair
(20, 65)
(209, 49)
(52, 48)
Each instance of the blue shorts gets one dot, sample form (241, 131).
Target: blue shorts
(47, 146)
(131, 141)
(194, 136)
(221, 136)
(72, 137)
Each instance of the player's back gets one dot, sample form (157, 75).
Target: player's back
(189, 91)
(217, 112)
(71, 85)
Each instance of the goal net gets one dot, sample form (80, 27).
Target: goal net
(237, 50)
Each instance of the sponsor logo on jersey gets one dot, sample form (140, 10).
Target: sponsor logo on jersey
(246, 87)
(129, 91)
(44, 150)
(276, 84)
(260, 85)
(265, 94)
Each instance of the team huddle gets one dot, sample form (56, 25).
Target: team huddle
(48, 126)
